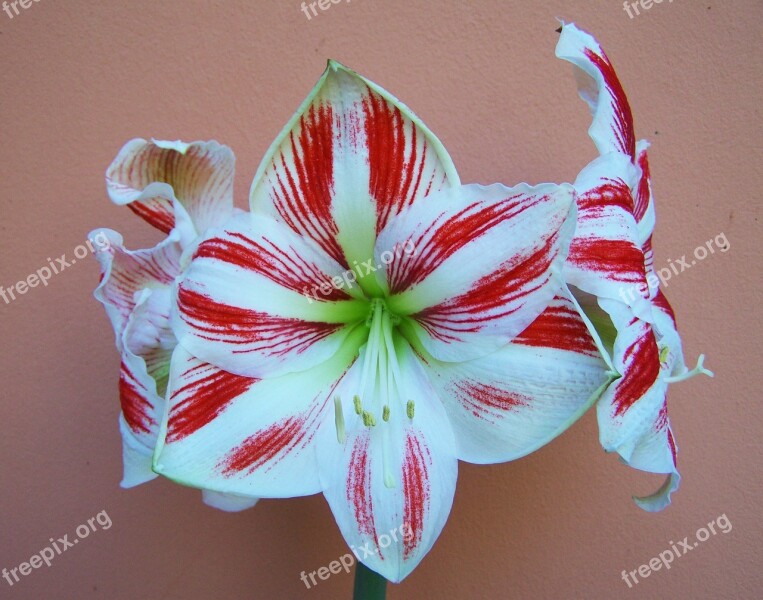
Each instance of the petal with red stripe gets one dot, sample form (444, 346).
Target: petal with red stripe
(147, 176)
(350, 158)
(252, 300)
(138, 421)
(250, 437)
(475, 266)
(633, 414)
(605, 257)
(512, 402)
(390, 486)
(124, 273)
(147, 344)
(643, 208)
(637, 397)
(598, 85)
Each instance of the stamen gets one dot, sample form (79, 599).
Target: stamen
(358, 405)
(698, 370)
(385, 413)
(368, 419)
(664, 353)
(339, 421)
(410, 409)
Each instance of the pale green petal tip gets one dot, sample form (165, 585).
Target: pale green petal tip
(228, 502)
(661, 498)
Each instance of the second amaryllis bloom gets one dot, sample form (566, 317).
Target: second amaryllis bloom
(182, 189)
(372, 322)
(611, 262)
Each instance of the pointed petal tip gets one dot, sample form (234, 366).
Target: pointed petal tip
(231, 503)
(661, 499)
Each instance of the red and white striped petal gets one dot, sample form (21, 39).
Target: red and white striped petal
(633, 402)
(139, 419)
(147, 344)
(251, 437)
(633, 414)
(350, 158)
(124, 273)
(668, 336)
(147, 176)
(249, 301)
(643, 208)
(475, 266)
(598, 85)
(512, 402)
(605, 257)
(390, 486)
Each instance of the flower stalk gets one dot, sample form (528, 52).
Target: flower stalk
(369, 585)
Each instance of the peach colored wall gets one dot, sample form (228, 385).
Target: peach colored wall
(77, 79)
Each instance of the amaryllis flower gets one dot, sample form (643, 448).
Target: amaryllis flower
(182, 190)
(370, 324)
(611, 258)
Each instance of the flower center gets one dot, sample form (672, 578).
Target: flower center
(381, 395)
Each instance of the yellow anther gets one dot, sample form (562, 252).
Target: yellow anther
(368, 419)
(664, 353)
(410, 409)
(385, 413)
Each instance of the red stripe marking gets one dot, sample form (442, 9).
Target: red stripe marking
(199, 402)
(500, 292)
(260, 331)
(642, 367)
(622, 128)
(396, 168)
(264, 446)
(644, 192)
(134, 402)
(449, 234)
(560, 327)
(273, 443)
(663, 424)
(486, 401)
(358, 487)
(303, 195)
(673, 448)
(282, 266)
(611, 193)
(157, 212)
(617, 260)
(416, 491)
(661, 301)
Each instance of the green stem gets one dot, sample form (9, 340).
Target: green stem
(369, 585)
